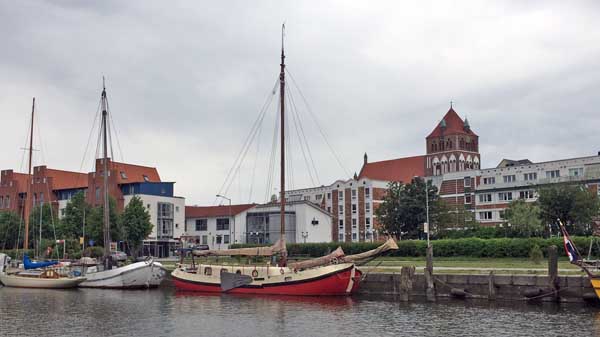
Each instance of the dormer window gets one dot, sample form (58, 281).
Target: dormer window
(146, 179)
(123, 175)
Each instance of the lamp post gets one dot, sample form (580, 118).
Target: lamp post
(230, 216)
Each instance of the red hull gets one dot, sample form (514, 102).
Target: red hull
(330, 285)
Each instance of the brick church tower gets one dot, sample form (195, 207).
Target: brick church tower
(452, 146)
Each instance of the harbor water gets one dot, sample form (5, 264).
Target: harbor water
(165, 312)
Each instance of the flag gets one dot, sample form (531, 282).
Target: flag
(569, 248)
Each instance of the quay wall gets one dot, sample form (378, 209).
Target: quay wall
(493, 287)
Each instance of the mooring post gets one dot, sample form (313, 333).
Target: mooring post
(406, 283)
(491, 287)
(430, 286)
(553, 271)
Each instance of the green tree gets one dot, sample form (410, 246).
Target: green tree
(575, 205)
(9, 230)
(136, 224)
(71, 225)
(46, 217)
(404, 208)
(524, 218)
(94, 228)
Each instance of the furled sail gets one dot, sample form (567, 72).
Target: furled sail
(319, 261)
(277, 248)
(390, 244)
(34, 265)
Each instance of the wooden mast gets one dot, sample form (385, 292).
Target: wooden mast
(28, 198)
(108, 265)
(282, 117)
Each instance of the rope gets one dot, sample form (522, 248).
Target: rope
(301, 138)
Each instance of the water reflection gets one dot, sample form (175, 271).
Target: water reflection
(92, 312)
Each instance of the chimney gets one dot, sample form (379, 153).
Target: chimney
(366, 158)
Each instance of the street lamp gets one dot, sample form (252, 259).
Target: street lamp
(230, 216)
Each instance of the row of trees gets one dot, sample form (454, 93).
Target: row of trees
(403, 213)
(131, 226)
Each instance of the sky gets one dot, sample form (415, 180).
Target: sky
(186, 81)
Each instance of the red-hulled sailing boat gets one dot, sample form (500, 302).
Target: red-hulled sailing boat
(332, 275)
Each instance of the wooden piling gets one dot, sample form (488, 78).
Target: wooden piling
(553, 271)
(430, 286)
(491, 287)
(406, 283)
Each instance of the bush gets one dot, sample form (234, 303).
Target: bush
(469, 247)
(536, 255)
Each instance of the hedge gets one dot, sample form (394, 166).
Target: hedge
(468, 247)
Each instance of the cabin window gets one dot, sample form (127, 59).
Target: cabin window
(207, 271)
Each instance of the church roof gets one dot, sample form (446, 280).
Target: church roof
(401, 169)
(451, 124)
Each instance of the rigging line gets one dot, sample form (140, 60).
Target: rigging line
(22, 166)
(274, 152)
(109, 132)
(39, 134)
(318, 125)
(294, 117)
(295, 110)
(254, 167)
(246, 149)
(87, 145)
(114, 127)
(289, 156)
(252, 131)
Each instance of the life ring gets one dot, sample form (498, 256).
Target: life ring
(334, 260)
(255, 273)
(281, 271)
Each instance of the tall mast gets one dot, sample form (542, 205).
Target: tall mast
(282, 117)
(105, 174)
(28, 198)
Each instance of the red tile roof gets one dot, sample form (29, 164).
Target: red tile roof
(401, 169)
(62, 180)
(214, 211)
(135, 173)
(454, 125)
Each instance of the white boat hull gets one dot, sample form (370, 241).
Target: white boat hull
(14, 280)
(139, 275)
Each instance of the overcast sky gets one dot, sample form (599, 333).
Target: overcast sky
(187, 79)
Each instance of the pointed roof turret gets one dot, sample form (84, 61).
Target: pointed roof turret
(451, 124)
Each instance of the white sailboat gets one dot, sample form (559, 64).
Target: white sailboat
(145, 274)
(40, 274)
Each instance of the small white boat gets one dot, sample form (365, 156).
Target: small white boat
(139, 275)
(37, 278)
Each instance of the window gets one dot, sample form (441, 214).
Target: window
(576, 172)
(328, 195)
(530, 176)
(97, 193)
(223, 224)
(353, 223)
(201, 225)
(354, 208)
(177, 209)
(489, 180)
(341, 209)
(509, 178)
(62, 211)
(483, 198)
(526, 194)
(353, 236)
(123, 175)
(146, 179)
(505, 196)
(553, 174)
(226, 239)
(368, 208)
(341, 195)
(204, 239)
(467, 198)
(341, 237)
(329, 209)
(467, 181)
(341, 223)
(307, 198)
(367, 192)
(353, 194)
(165, 220)
(219, 239)
(368, 222)
(485, 215)
(501, 214)
(1, 201)
(319, 197)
